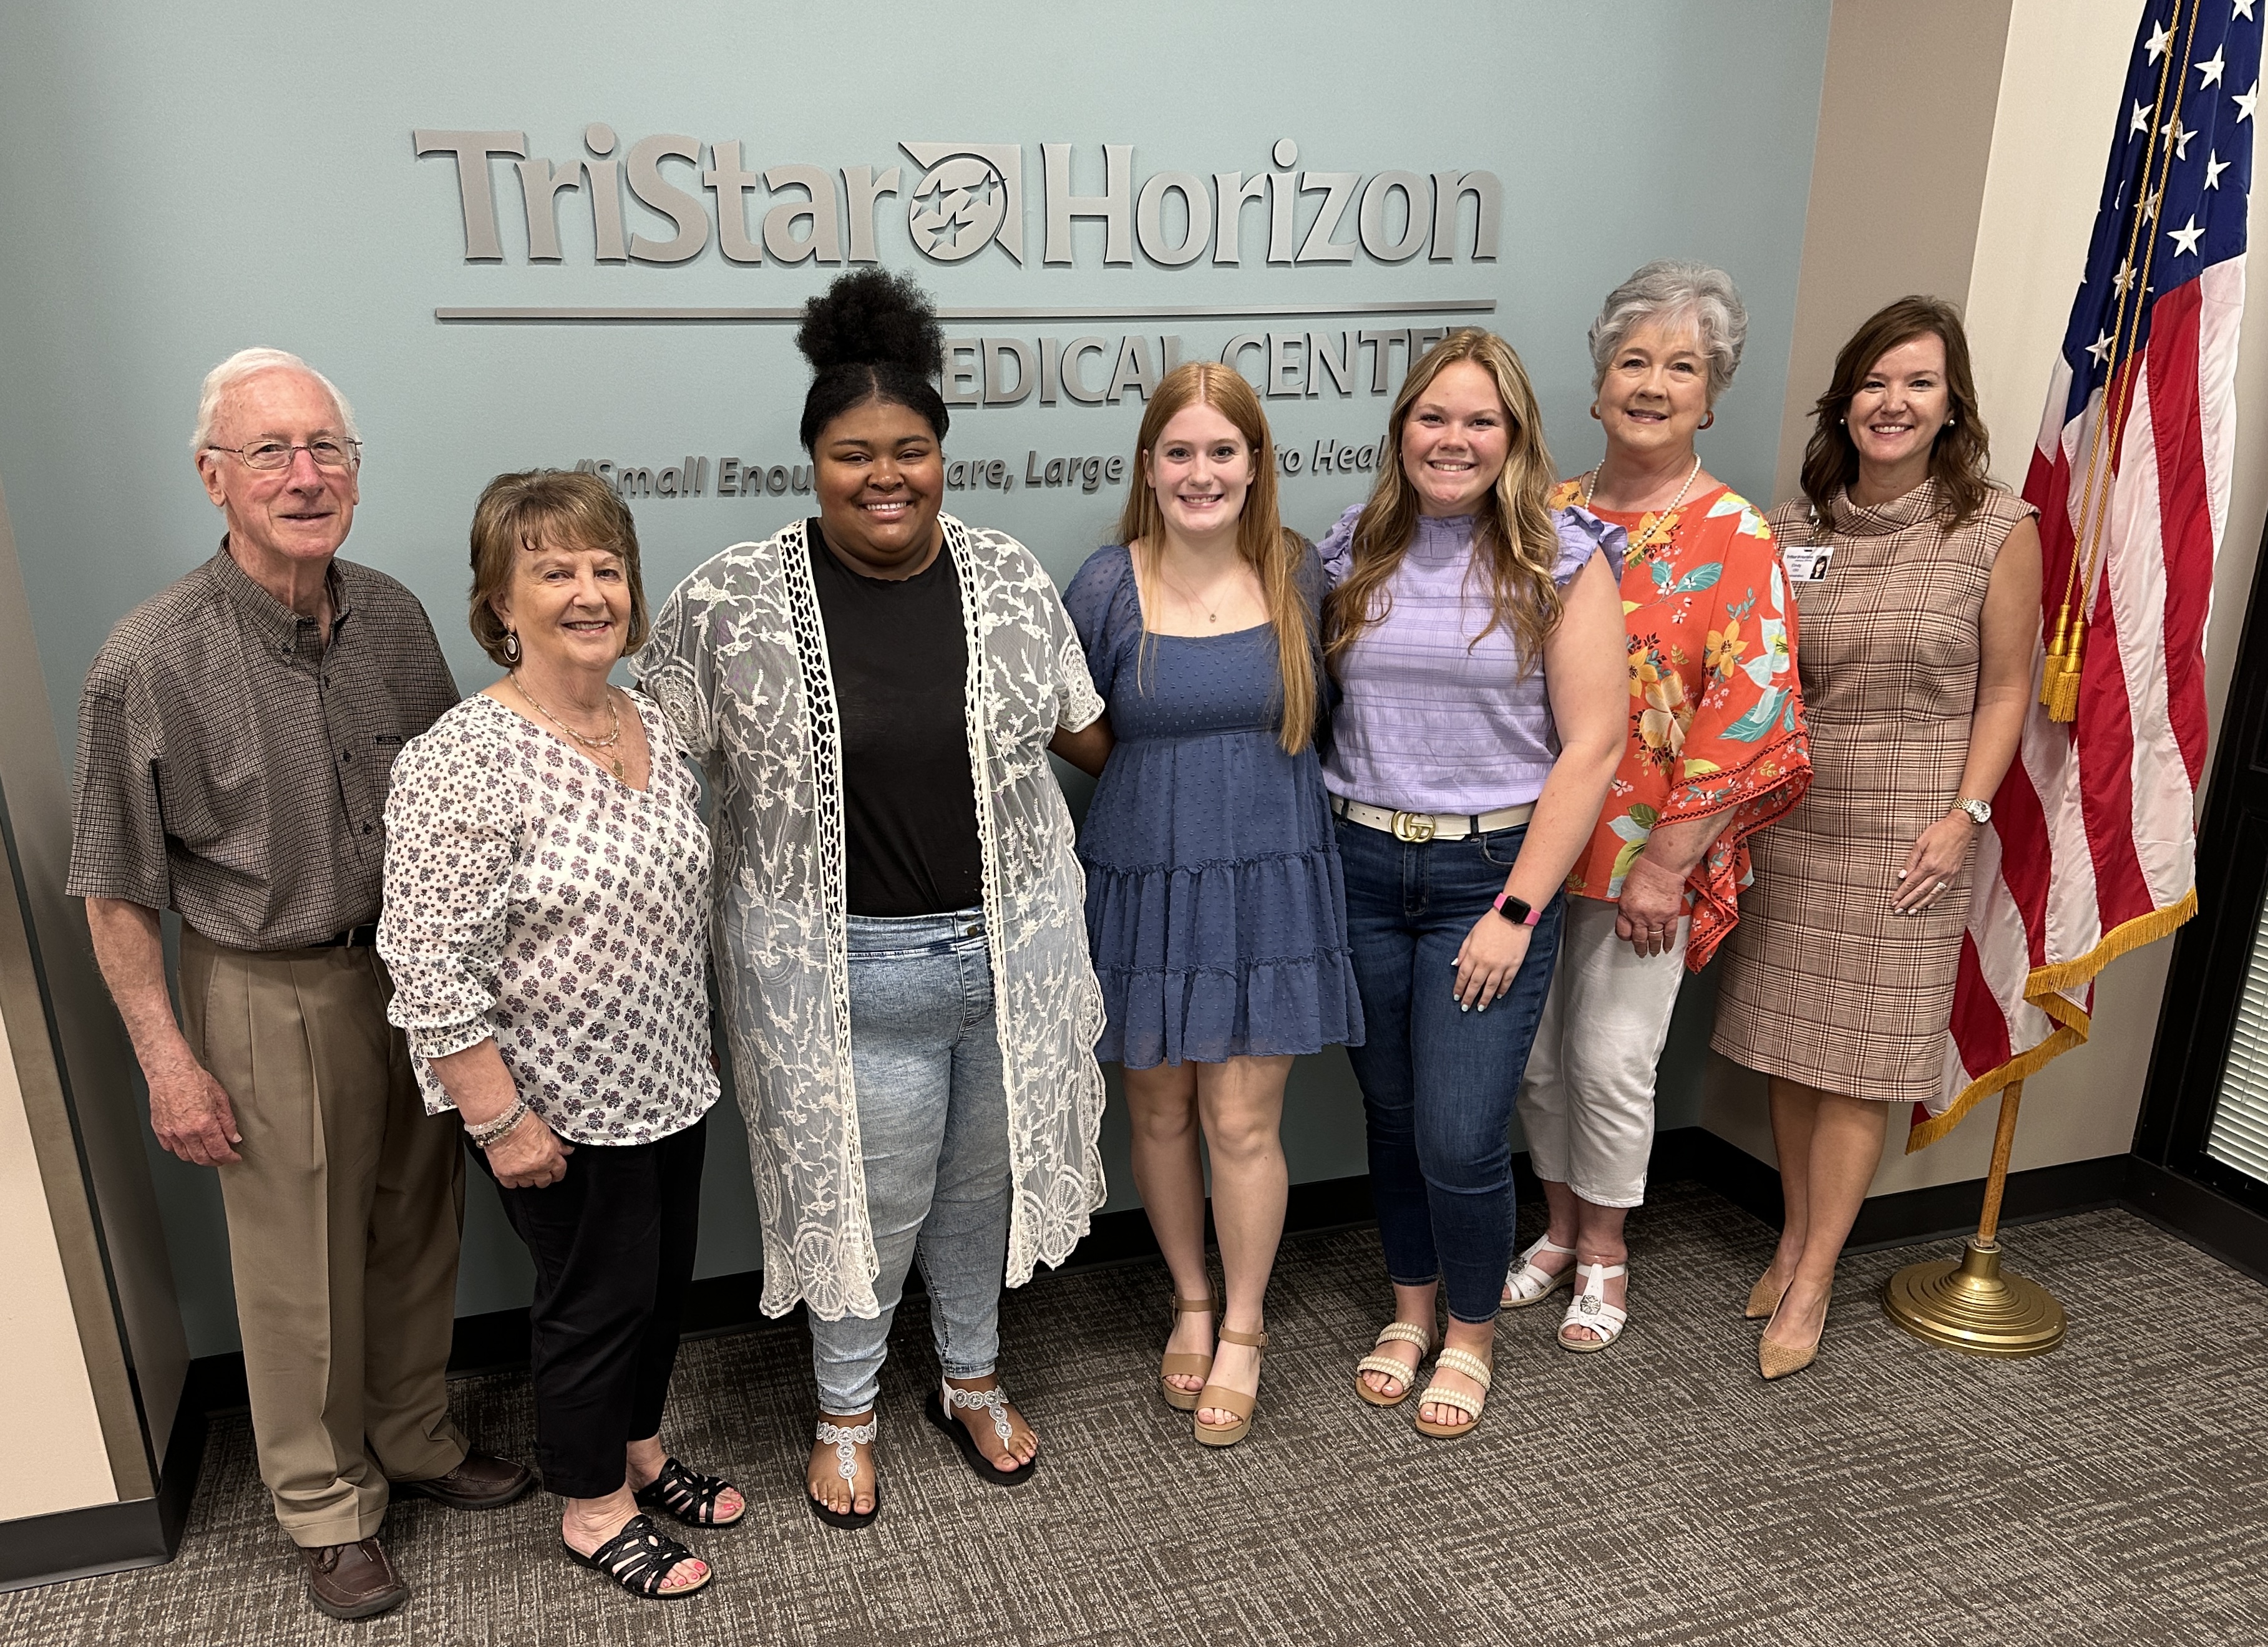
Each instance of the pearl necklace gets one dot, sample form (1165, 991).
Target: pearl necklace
(1591, 485)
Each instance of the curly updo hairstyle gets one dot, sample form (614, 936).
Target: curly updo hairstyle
(871, 336)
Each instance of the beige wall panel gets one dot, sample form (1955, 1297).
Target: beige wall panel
(1898, 178)
(53, 1455)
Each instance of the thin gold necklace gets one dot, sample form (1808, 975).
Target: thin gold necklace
(614, 734)
(1212, 614)
(1591, 485)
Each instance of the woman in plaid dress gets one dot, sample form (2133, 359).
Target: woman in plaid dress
(1916, 586)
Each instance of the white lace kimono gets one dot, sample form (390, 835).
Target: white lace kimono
(738, 659)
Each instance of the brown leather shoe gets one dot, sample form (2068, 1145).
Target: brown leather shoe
(483, 1481)
(353, 1581)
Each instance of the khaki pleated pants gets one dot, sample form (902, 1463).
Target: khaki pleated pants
(343, 1219)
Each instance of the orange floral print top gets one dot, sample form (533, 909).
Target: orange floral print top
(1716, 717)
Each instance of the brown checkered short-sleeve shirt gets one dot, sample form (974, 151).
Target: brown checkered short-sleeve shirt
(234, 766)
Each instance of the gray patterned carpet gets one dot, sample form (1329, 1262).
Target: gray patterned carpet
(2116, 1491)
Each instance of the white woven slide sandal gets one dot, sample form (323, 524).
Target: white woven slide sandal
(1390, 1366)
(1474, 1368)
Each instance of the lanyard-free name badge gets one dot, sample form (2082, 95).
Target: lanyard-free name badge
(1806, 563)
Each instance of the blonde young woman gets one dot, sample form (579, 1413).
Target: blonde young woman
(1478, 638)
(1214, 904)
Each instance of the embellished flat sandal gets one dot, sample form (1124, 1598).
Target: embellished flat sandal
(639, 1558)
(846, 1439)
(1474, 1368)
(1227, 1401)
(689, 1497)
(1182, 1364)
(1529, 1282)
(1589, 1308)
(1389, 1366)
(994, 1401)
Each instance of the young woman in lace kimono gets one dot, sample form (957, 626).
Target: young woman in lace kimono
(899, 925)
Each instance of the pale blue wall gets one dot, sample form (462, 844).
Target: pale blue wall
(180, 181)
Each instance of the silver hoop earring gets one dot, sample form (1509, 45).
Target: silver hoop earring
(512, 646)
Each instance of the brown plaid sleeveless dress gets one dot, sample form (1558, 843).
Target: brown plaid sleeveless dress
(1821, 983)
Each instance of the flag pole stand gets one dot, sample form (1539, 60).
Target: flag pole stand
(1966, 1302)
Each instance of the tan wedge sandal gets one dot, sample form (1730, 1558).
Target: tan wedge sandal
(1182, 1364)
(1228, 1400)
(1474, 1368)
(1377, 1362)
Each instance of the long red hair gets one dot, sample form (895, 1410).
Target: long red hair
(1271, 551)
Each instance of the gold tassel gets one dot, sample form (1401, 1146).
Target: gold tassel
(2063, 704)
(2052, 667)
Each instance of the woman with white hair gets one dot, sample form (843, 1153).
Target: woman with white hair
(1716, 751)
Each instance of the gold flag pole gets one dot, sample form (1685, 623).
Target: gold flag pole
(1965, 1303)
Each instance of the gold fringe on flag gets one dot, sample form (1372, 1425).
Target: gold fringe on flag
(2044, 989)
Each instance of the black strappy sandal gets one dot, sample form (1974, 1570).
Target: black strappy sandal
(994, 1403)
(689, 1495)
(639, 1558)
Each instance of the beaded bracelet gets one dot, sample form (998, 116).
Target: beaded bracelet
(488, 1132)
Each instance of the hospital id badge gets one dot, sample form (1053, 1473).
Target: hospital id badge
(1806, 563)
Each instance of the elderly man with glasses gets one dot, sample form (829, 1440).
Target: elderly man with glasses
(236, 734)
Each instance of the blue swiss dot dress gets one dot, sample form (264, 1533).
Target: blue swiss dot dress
(1214, 904)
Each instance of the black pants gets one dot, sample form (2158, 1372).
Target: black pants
(613, 1243)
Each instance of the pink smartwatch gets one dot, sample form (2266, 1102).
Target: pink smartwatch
(1516, 910)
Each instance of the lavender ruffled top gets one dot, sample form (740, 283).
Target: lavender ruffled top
(1430, 721)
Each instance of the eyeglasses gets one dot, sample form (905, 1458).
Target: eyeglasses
(328, 453)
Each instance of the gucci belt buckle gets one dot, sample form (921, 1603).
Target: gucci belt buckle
(1413, 825)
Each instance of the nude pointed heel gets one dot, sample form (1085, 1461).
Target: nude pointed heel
(1778, 1361)
(1227, 1401)
(1182, 1364)
(1763, 1298)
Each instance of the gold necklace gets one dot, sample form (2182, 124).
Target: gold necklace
(614, 734)
(1212, 614)
(1591, 485)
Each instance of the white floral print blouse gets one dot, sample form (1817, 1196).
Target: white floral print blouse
(738, 659)
(532, 896)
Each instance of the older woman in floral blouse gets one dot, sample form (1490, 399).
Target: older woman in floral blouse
(1716, 752)
(900, 920)
(547, 871)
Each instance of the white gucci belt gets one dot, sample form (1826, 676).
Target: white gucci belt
(1429, 825)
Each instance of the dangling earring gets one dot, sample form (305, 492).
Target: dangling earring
(512, 647)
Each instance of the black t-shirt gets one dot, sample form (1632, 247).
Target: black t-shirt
(900, 664)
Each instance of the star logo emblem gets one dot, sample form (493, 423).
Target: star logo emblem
(2214, 168)
(2100, 349)
(2185, 238)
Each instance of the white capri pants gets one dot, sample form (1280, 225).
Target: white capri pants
(1587, 1099)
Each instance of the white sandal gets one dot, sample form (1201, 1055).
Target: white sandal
(1531, 1284)
(1392, 1366)
(1590, 1309)
(1438, 1395)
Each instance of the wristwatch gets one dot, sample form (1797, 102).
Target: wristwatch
(1980, 812)
(1516, 910)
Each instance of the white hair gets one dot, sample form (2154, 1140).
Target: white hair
(250, 363)
(1664, 289)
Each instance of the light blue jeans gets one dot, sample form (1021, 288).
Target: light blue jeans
(933, 1139)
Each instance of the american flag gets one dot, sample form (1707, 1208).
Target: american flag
(2092, 850)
